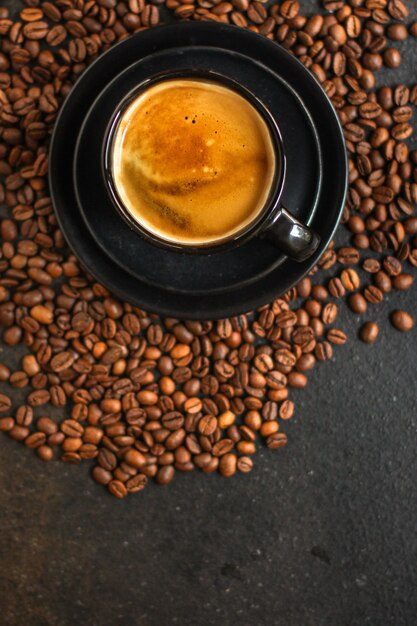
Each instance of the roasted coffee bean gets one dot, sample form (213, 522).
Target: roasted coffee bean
(222, 447)
(35, 30)
(336, 336)
(6, 424)
(136, 483)
(62, 361)
(286, 410)
(350, 279)
(135, 459)
(165, 475)
(117, 489)
(329, 313)
(244, 464)
(5, 403)
(24, 415)
(357, 303)
(228, 465)
(392, 266)
(297, 380)
(207, 425)
(107, 459)
(383, 282)
(278, 440)
(403, 281)
(348, 256)
(402, 321)
(373, 294)
(336, 288)
(323, 351)
(4, 372)
(371, 265)
(101, 475)
(369, 332)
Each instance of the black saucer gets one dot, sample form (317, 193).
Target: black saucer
(136, 255)
(259, 273)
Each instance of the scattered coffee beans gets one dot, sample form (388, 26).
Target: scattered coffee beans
(143, 397)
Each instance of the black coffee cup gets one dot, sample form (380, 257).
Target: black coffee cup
(274, 223)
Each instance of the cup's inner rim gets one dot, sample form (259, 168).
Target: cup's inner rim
(276, 185)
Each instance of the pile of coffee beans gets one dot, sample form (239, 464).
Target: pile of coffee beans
(143, 397)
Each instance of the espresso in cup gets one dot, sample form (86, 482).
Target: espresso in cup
(192, 161)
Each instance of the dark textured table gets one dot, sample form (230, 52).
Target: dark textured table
(321, 533)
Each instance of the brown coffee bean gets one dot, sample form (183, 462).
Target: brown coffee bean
(329, 313)
(392, 266)
(350, 279)
(18, 433)
(397, 9)
(149, 15)
(383, 195)
(348, 256)
(373, 294)
(228, 465)
(134, 458)
(107, 459)
(371, 265)
(24, 415)
(35, 30)
(297, 380)
(6, 424)
(5, 403)
(244, 464)
(402, 321)
(336, 288)
(42, 314)
(354, 132)
(45, 453)
(222, 447)
(12, 336)
(336, 336)
(175, 439)
(165, 475)
(286, 410)
(207, 425)
(46, 425)
(35, 440)
(357, 303)
(370, 110)
(276, 441)
(136, 483)
(257, 12)
(353, 26)
(323, 351)
(72, 428)
(117, 489)
(101, 476)
(62, 361)
(392, 57)
(369, 332)
(383, 282)
(403, 281)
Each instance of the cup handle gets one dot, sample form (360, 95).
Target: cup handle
(293, 238)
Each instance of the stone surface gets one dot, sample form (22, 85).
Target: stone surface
(321, 533)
